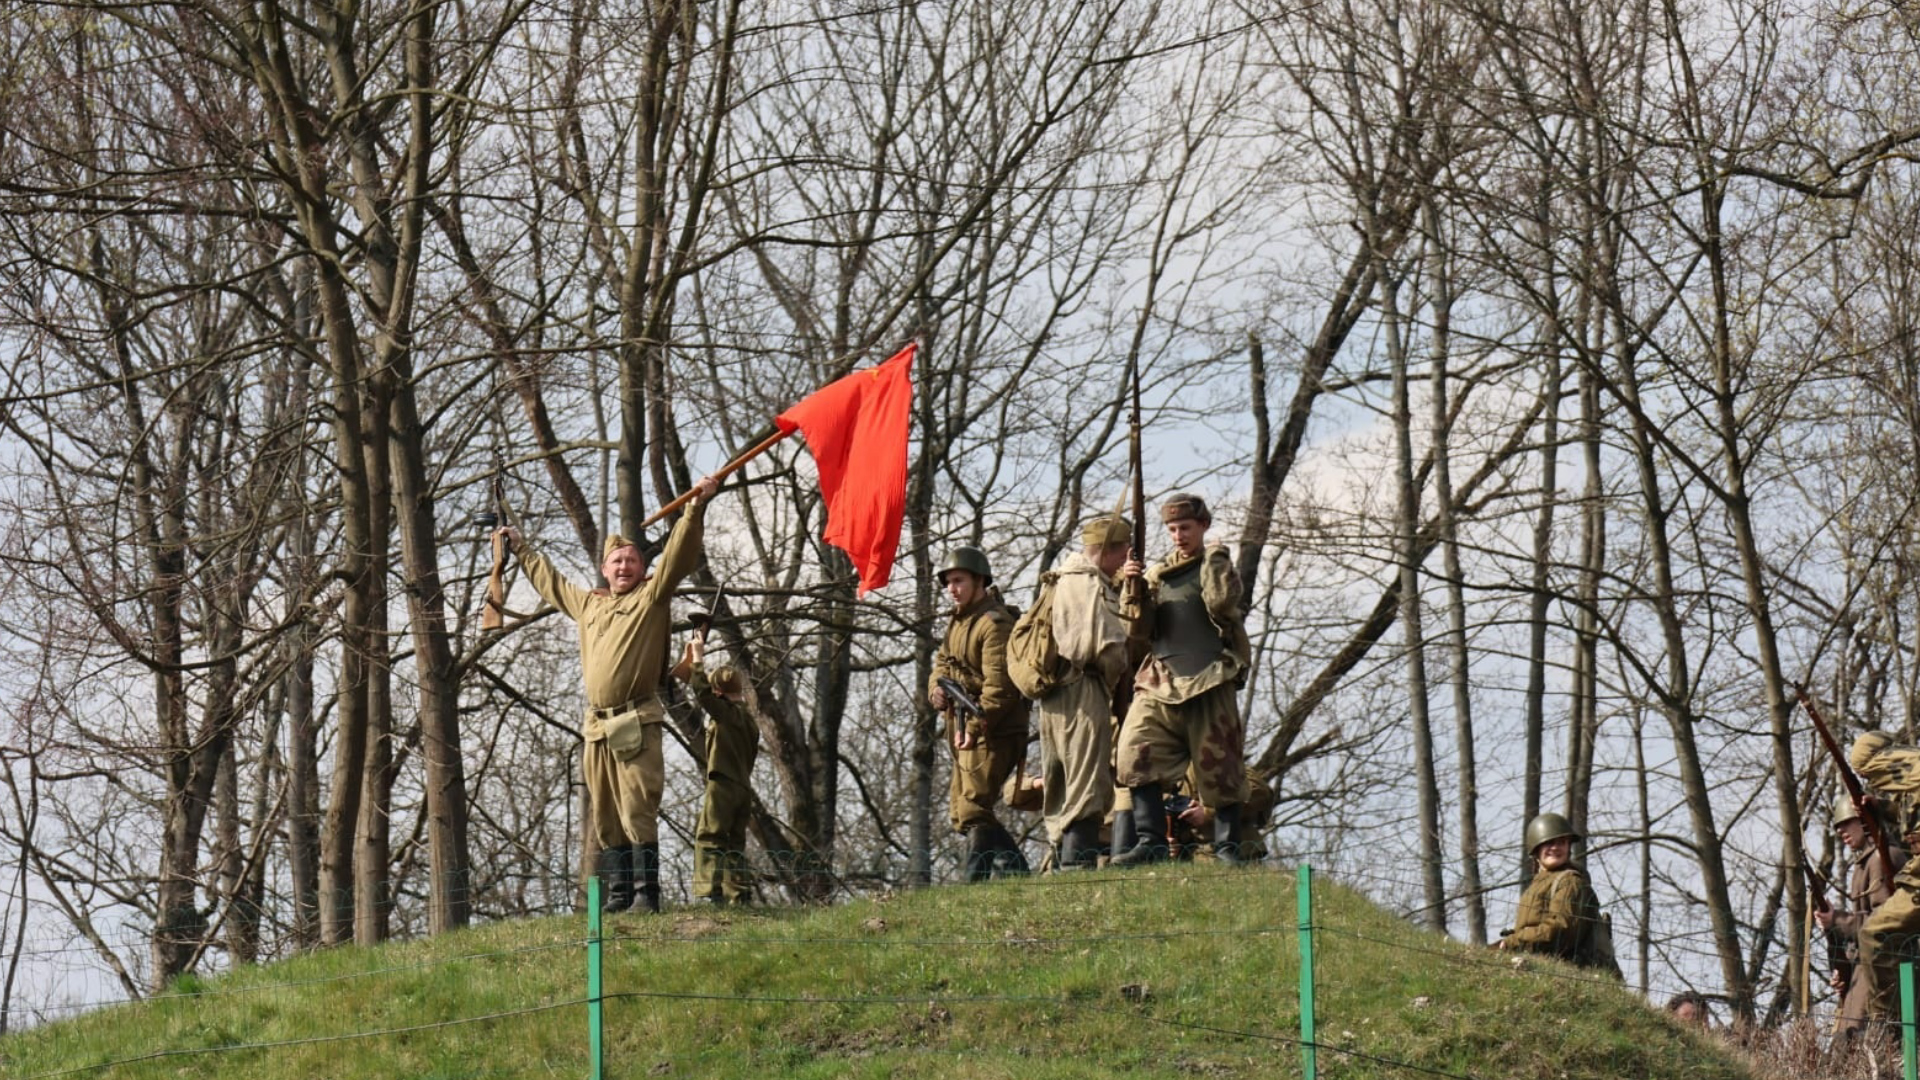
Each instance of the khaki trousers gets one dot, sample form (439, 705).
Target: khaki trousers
(623, 793)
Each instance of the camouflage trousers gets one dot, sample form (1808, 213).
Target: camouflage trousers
(1160, 740)
(1886, 938)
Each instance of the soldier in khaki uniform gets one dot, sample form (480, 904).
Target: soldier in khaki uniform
(720, 871)
(1184, 712)
(1869, 886)
(985, 747)
(1887, 935)
(1076, 732)
(624, 632)
(1559, 913)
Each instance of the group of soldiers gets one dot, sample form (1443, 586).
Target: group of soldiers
(1140, 730)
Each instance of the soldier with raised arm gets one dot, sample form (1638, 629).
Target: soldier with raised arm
(1184, 710)
(624, 637)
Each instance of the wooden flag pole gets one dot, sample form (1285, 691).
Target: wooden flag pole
(731, 467)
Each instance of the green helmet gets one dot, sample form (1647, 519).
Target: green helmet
(970, 559)
(1545, 827)
(1844, 810)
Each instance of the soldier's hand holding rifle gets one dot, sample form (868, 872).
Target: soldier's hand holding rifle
(949, 695)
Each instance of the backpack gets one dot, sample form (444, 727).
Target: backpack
(1600, 953)
(1033, 658)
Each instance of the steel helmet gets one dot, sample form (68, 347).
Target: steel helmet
(1844, 810)
(1545, 827)
(968, 558)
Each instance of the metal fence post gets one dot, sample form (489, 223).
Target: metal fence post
(1308, 1050)
(596, 1049)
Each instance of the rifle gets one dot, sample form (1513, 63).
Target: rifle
(961, 701)
(1137, 586)
(1869, 816)
(493, 612)
(1836, 943)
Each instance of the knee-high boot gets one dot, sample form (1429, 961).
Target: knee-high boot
(615, 868)
(1149, 827)
(646, 859)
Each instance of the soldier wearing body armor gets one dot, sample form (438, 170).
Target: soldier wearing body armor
(1184, 713)
(989, 742)
(1869, 886)
(1559, 914)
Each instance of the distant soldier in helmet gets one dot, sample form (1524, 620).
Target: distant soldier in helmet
(1869, 886)
(987, 744)
(1184, 714)
(1887, 934)
(1559, 914)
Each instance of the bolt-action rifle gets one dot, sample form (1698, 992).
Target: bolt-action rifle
(1869, 814)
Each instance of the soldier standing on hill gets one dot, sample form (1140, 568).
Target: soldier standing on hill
(1559, 914)
(1184, 710)
(988, 741)
(1869, 886)
(720, 871)
(624, 630)
(1887, 935)
(1076, 732)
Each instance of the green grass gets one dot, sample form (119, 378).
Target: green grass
(1162, 973)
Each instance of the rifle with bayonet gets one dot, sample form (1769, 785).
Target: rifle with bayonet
(1864, 806)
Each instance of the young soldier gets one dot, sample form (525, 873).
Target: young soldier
(1559, 914)
(720, 871)
(1886, 935)
(985, 745)
(1869, 886)
(1076, 734)
(1184, 711)
(623, 655)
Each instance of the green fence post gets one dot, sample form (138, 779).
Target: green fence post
(1308, 1051)
(596, 1050)
(1906, 1020)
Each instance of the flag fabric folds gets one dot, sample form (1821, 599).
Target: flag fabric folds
(857, 429)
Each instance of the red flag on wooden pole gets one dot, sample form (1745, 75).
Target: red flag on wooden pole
(857, 430)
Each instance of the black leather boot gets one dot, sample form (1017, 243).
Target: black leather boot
(1123, 837)
(1149, 829)
(1008, 858)
(979, 853)
(646, 859)
(1226, 844)
(1080, 845)
(615, 868)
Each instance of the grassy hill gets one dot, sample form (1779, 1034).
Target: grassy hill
(1184, 972)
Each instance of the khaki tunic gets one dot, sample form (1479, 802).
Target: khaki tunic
(1180, 721)
(974, 654)
(1887, 934)
(1076, 729)
(1869, 886)
(1558, 916)
(720, 838)
(623, 657)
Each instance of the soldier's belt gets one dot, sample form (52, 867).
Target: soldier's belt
(622, 709)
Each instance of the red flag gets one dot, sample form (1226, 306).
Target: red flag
(857, 430)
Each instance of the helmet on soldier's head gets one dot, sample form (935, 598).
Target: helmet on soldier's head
(1545, 827)
(968, 558)
(1844, 810)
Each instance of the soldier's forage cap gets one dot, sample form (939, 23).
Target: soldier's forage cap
(615, 542)
(725, 679)
(1103, 531)
(1184, 506)
(1868, 744)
